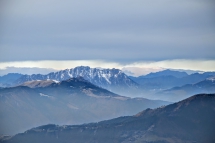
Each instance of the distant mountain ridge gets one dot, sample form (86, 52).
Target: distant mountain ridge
(118, 82)
(205, 86)
(7, 79)
(163, 85)
(72, 101)
(190, 120)
(167, 72)
(169, 79)
(112, 79)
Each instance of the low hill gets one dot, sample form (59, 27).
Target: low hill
(73, 101)
(187, 121)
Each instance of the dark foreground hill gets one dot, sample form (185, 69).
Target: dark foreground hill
(74, 101)
(189, 121)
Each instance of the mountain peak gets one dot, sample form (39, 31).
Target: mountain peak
(111, 79)
(197, 97)
(166, 72)
(200, 99)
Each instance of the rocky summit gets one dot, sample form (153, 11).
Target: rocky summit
(112, 79)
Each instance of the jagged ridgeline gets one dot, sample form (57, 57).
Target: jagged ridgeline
(112, 79)
(167, 85)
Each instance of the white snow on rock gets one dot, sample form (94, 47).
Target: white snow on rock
(211, 79)
(106, 78)
(44, 95)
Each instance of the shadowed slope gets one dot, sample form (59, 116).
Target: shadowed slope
(190, 120)
(73, 101)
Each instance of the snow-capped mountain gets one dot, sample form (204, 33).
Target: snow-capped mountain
(112, 79)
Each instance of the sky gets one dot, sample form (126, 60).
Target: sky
(137, 36)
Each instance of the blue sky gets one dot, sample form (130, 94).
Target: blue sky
(120, 33)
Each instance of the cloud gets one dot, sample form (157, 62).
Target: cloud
(185, 64)
(138, 71)
(59, 65)
(135, 68)
(116, 31)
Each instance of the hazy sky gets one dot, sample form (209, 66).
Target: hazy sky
(119, 33)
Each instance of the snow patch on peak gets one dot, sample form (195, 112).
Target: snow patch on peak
(44, 95)
(106, 77)
(211, 79)
(112, 79)
(56, 81)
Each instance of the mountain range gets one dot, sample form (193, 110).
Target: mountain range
(166, 79)
(162, 85)
(112, 79)
(83, 95)
(8, 79)
(167, 72)
(175, 85)
(188, 121)
(177, 93)
(72, 101)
